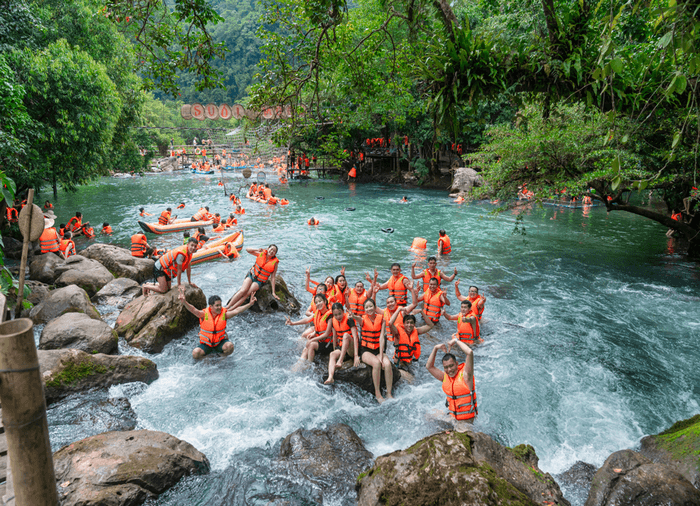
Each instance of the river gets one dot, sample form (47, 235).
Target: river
(590, 330)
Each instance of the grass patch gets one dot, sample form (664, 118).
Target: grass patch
(74, 372)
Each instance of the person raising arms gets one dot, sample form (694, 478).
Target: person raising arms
(434, 300)
(344, 331)
(431, 272)
(355, 301)
(467, 324)
(265, 268)
(457, 380)
(474, 297)
(212, 325)
(321, 341)
(407, 342)
(372, 348)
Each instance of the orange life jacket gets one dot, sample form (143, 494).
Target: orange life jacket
(63, 248)
(357, 302)
(139, 245)
(398, 324)
(476, 310)
(107, 229)
(406, 347)
(398, 289)
(321, 323)
(164, 218)
(212, 329)
(465, 331)
(272, 200)
(267, 192)
(145, 214)
(461, 401)
(432, 305)
(180, 206)
(340, 294)
(427, 277)
(371, 330)
(340, 328)
(169, 264)
(49, 240)
(315, 223)
(242, 211)
(48, 205)
(74, 224)
(199, 215)
(220, 228)
(89, 232)
(263, 267)
(231, 222)
(12, 214)
(676, 216)
(446, 244)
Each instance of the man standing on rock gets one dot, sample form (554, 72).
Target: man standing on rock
(212, 325)
(457, 380)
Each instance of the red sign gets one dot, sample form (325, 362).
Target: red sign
(224, 111)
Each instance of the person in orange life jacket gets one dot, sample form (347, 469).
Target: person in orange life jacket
(404, 199)
(139, 246)
(320, 290)
(407, 342)
(142, 212)
(676, 216)
(12, 214)
(272, 200)
(344, 331)
(431, 272)
(265, 268)
(106, 229)
(212, 324)
(433, 300)
(474, 297)
(171, 265)
(48, 205)
(444, 244)
(355, 300)
(200, 215)
(67, 246)
(49, 240)
(181, 205)
(239, 210)
(398, 285)
(87, 230)
(392, 307)
(202, 241)
(372, 348)
(165, 217)
(75, 222)
(320, 341)
(199, 233)
(231, 220)
(341, 287)
(216, 219)
(467, 324)
(313, 221)
(61, 230)
(457, 380)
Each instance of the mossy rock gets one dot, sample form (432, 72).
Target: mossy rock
(677, 446)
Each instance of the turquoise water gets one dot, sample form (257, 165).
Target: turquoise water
(590, 329)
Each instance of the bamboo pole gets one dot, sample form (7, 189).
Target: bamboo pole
(24, 416)
(25, 251)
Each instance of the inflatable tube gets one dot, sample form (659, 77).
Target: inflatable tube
(388, 230)
(155, 228)
(419, 243)
(349, 208)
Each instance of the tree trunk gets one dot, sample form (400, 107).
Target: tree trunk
(55, 189)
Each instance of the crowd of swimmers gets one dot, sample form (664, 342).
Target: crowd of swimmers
(61, 241)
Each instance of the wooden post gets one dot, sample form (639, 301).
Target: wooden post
(24, 416)
(25, 251)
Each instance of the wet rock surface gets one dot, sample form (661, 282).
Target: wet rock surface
(123, 468)
(458, 468)
(80, 332)
(266, 303)
(120, 262)
(330, 458)
(149, 323)
(678, 447)
(628, 478)
(65, 372)
(87, 414)
(360, 376)
(70, 299)
(118, 293)
(90, 275)
(41, 268)
(575, 482)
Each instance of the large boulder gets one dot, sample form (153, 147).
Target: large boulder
(123, 468)
(90, 275)
(360, 376)
(79, 331)
(458, 468)
(149, 323)
(576, 481)
(331, 458)
(42, 268)
(120, 262)
(68, 371)
(628, 478)
(465, 179)
(118, 293)
(70, 299)
(12, 248)
(266, 303)
(678, 447)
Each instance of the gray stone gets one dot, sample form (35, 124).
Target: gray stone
(123, 468)
(42, 268)
(90, 275)
(118, 293)
(465, 179)
(80, 332)
(65, 372)
(266, 303)
(70, 299)
(120, 262)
